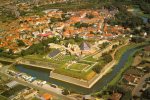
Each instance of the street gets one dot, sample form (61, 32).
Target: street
(34, 85)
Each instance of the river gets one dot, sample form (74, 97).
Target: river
(43, 74)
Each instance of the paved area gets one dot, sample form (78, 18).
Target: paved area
(56, 92)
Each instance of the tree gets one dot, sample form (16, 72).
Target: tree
(127, 96)
(53, 19)
(107, 57)
(78, 39)
(20, 43)
(146, 94)
(65, 92)
(133, 22)
(79, 25)
(1, 50)
(105, 44)
(90, 16)
(97, 68)
(137, 39)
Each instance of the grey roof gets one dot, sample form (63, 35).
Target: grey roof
(54, 53)
(84, 46)
(135, 72)
(12, 84)
(87, 97)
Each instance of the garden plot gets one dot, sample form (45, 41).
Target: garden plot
(78, 67)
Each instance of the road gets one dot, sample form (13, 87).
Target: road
(139, 86)
(3, 71)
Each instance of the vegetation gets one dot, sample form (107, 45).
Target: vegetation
(40, 48)
(90, 16)
(75, 74)
(65, 92)
(20, 43)
(107, 57)
(3, 98)
(97, 68)
(105, 44)
(120, 52)
(79, 25)
(146, 94)
(125, 19)
(137, 39)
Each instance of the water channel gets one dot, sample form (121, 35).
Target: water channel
(43, 74)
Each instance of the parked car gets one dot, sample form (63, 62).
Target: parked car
(54, 85)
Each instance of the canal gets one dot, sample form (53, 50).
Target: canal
(43, 74)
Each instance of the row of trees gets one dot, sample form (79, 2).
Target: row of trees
(79, 25)
(137, 39)
(106, 59)
(125, 19)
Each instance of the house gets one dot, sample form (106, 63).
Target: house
(87, 97)
(84, 46)
(116, 96)
(12, 84)
(131, 79)
(54, 53)
(135, 72)
(47, 96)
(29, 93)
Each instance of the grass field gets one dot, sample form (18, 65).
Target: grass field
(62, 57)
(123, 49)
(79, 75)
(90, 58)
(78, 66)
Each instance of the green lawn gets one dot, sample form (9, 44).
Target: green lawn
(123, 49)
(78, 66)
(90, 58)
(75, 74)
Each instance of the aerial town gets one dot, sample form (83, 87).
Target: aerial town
(74, 50)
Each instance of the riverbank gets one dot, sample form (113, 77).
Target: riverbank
(83, 83)
(126, 65)
(120, 52)
(98, 86)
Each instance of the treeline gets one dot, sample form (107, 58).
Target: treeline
(126, 20)
(145, 8)
(106, 58)
(143, 4)
(8, 54)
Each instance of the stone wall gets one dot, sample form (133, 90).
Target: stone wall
(83, 83)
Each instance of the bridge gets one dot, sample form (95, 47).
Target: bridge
(5, 68)
(28, 63)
